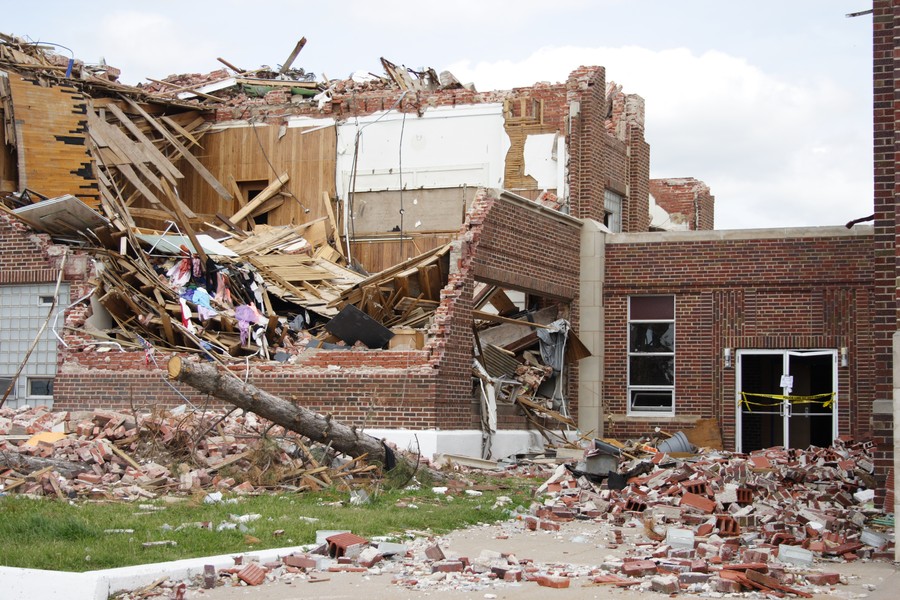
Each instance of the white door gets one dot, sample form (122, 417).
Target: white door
(786, 398)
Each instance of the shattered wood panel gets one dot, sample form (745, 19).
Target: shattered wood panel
(52, 150)
(309, 161)
(377, 255)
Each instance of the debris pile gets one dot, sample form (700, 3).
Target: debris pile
(107, 454)
(775, 522)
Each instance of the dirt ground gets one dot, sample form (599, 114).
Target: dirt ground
(577, 544)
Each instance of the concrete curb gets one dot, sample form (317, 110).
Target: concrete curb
(29, 584)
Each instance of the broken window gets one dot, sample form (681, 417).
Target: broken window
(651, 355)
(40, 387)
(612, 206)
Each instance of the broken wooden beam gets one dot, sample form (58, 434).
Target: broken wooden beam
(264, 195)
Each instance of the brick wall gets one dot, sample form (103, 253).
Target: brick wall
(529, 248)
(810, 291)
(687, 200)
(607, 149)
(28, 257)
(23, 254)
(886, 109)
(511, 242)
(588, 156)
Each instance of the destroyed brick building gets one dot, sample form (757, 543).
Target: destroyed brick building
(485, 217)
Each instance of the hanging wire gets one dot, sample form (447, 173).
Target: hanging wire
(400, 169)
(354, 166)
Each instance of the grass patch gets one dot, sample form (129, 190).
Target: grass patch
(51, 534)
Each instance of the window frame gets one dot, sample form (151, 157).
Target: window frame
(30, 380)
(5, 382)
(613, 214)
(633, 389)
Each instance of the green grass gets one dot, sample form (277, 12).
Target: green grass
(52, 534)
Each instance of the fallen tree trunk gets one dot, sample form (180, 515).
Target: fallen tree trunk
(317, 427)
(10, 458)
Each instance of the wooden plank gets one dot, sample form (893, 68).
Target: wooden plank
(184, 152)
(175, 205)
(484, 316)
(124, 146)
(264, 195)
(502, 303)
(292, 56)
(132, 177)
(267, 206)
(184, 132)
(329, 212)
(236, 190)
(162, 163)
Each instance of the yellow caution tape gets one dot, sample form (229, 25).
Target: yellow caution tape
(826, 400)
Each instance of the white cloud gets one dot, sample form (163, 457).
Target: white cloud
(775, 152)
(147, 44)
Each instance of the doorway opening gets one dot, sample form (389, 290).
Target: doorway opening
(786, 398)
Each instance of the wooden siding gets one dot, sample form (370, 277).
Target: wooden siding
(244, 154)
(51, 127)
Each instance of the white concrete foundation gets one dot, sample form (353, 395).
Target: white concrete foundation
(465, 442)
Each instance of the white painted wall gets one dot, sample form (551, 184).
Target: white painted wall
(446, 147)
(660, 219)
(542, 154)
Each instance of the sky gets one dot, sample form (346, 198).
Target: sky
(768, 102)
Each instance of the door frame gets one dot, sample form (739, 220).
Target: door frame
(785, 370)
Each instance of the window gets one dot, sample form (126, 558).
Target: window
(651, 355)
(45, 300)
(5, 382)
(612, 205)
(40, 387)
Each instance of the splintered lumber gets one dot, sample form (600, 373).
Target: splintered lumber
(181, 149)
(292, 57)
(317, 427)
(264, 195)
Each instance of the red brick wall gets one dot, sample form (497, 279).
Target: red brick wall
(588, 157)
(23, 254)
(27, 257)
(535, 250)
(785, 293)
(607, 152)
(431, 388)
(688, 200)
(886, 110)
